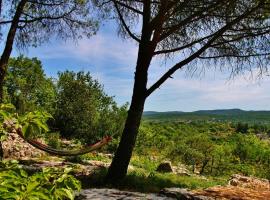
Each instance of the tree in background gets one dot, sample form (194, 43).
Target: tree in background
(216, 32)
(84, 111)
(33, 22)
(27, 86)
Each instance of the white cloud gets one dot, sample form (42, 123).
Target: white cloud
(99, 48)
(182, 93)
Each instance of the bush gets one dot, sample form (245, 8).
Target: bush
(27, 86)
(84, 111)
(50, 184)
(53, 140)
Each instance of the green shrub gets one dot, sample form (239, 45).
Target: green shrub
(84, 110)
(54, 140)
(50, 184)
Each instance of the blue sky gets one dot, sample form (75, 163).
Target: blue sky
(111, 60)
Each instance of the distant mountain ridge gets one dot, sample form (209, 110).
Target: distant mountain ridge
(234, 114)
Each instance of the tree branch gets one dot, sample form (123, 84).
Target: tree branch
(124, 23)
(200, 51)
(129, 7)
(235, 56)
(187, 20)
(182, 47)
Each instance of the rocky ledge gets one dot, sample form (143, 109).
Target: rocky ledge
(113, 194)
(239, 187)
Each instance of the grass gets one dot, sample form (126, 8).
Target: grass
(143, 178)
(141, 181)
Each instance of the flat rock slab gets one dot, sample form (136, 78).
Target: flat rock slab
(114, 194)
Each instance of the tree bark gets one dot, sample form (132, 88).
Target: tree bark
(9, 44)
(1, 151)
(119, 165)
(205, 162)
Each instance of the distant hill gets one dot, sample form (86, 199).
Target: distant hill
(221, 112)
(234, 115)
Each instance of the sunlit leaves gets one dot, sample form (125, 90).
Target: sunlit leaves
(32, 124)
(50, 184)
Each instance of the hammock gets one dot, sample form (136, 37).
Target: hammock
(58, 152)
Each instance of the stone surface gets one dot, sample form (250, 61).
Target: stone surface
(165, 167)
(241, 188)
(181, 170)
(15, 147)
(249, 182)
(112, 194)
(183, 194)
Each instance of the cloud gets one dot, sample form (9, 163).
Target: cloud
(185, 93)
(98, 49)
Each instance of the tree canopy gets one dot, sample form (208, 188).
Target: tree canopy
(27, 86)
(38, 21)
(225, 34)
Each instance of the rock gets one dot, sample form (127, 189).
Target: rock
(183, 194)
(165, 167)
(239, 187)
(249, 182)
(15, 147)
(114, 194)
(181, 170)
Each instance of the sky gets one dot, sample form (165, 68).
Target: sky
(111, 60)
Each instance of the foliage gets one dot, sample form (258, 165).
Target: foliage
(32, 124)
(27, 86)
(49, 184)
(84, 111)
(211, 148)
(39, 22)
(53, 140)
(230, 115)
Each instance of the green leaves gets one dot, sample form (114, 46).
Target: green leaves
(34, 123)
(27, 86)
(84, 110)
(50, 184)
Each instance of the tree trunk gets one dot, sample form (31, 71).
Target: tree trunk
(205, 162)
(2, 79)
(1, 151)
(1, 101)
(119, 165)
(9, 44)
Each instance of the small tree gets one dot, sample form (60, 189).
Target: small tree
(33, 22)
(27, 86)
(84, 111)
(216, 31)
